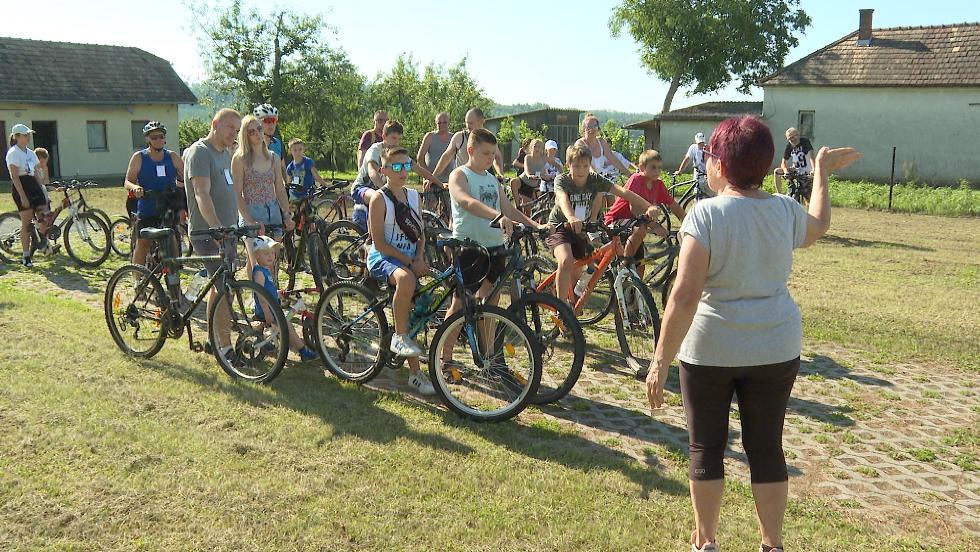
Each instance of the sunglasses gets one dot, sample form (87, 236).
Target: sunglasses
(254, 130)
(593, 125)
(270, 120)
(397, 167)
(709, 154)
(158, 137)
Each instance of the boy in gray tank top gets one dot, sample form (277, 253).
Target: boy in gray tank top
(477, 198)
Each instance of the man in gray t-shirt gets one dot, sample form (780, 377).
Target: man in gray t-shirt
(209, 186)
(211, 201)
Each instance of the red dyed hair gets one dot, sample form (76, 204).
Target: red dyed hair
(745, 148)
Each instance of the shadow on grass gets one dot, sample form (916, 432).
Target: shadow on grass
(828, 368)
(855, 242)
(354, 410)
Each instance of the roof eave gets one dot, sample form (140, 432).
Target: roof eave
(101, 102)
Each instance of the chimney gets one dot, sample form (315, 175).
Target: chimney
(864, 30)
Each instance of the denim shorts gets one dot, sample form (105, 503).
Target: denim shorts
(265, 213)
(382, 269)
(360, 218)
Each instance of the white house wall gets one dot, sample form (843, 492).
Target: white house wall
(934, 129)
(677, 136)
(75, 157)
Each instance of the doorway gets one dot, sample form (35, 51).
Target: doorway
(46, 136)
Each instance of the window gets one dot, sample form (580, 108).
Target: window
(806, 124)
(138, 141)
(96, 131)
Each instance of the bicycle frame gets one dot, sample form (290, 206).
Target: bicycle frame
(602, 257)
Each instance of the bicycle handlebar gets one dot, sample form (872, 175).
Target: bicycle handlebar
(72, 184)
(225, 231)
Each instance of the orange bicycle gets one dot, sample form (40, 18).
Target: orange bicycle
(620, 289)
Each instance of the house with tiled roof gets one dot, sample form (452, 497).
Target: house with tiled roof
(915, 89)
(671, 133)
(87, 103)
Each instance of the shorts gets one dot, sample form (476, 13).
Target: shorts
(265, 213)
(477, 268)
(35, 195)
(360, 218)
(209, 247)
(581, 247)
(619, 222)
(526, 189)
(383, 268)
(131, 204)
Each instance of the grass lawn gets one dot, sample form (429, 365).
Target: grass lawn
(103, 452)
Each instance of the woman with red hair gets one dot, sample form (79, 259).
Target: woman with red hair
(732, 324)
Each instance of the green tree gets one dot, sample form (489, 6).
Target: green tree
(282, 59)
(525, 132)
(413, 96)
(619, 140)
(191, 130)
(705, 44)
(506, 134)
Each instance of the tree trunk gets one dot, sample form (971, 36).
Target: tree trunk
(675, 83)
(276, 92)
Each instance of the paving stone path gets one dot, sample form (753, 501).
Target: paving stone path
(891, 440)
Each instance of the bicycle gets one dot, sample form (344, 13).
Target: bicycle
(697, 189)
(86, 234)
(141, 315)
(635, 312)
(499, 368)
(552, 321)
(311, 230)
(336, 209)
(660, 262)
(169, 204)
(799, 186)
(436, 201)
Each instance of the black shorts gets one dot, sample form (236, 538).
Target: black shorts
(527, 190)
(35, 195)
(581, 247)
(477, 268)
(131, 204)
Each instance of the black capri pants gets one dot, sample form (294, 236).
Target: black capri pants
(762, 393)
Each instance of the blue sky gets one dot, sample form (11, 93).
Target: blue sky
(519, 51)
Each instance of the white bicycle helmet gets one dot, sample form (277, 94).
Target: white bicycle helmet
(153, 125)
(265, 110)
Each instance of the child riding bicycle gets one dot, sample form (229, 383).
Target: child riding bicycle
(396, 252)
(579, 196)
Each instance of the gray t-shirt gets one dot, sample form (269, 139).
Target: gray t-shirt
(373, 153)
(201, 159)
(746, 316)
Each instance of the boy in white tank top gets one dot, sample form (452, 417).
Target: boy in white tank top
(396, 256)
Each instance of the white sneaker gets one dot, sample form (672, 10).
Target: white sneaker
(708, 547)
(421, 383)
(405, 347)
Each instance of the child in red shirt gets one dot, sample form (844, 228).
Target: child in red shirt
(646, 184)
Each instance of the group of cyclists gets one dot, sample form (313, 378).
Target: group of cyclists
(240, 175)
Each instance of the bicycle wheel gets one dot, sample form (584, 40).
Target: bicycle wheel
(352, 338)
(246, 346)
(101, 214)
(10, 234)
(599, 304)
(87, 240)
(135, 306)
(560, 341)
(121, 234)
(637, 323)
(345, 249)
(494, 383)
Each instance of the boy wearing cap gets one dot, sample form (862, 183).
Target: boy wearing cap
(695, 154)
(552, 167)
(264, 250)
